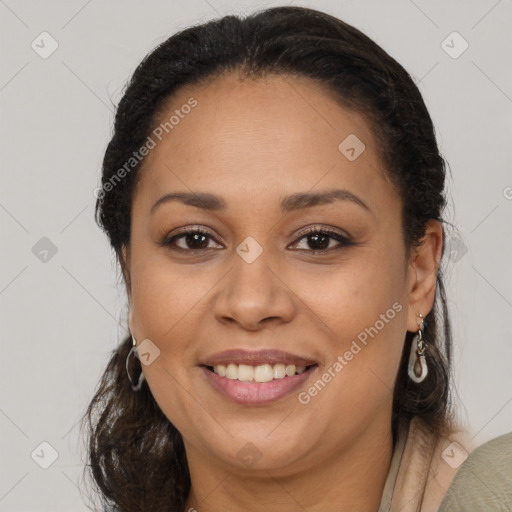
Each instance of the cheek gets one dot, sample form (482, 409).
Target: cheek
(363, 304)
(164, 293)
(360, 372)
(166, 304)
(350, 305)
(352, 296)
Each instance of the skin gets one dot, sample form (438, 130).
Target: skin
(253, 142)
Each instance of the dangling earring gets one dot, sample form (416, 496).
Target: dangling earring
(141, 378)
(418, 369)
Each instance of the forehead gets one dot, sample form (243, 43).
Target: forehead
(260, 135)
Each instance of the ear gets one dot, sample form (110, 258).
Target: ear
(130, 321)
(124, 262)
(422, 275)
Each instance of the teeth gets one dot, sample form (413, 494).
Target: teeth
(232, 371)
(290, 370)
(261, 373)
(245, 372)
(279, 371)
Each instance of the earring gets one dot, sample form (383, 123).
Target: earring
(418, 369)
(141, 378)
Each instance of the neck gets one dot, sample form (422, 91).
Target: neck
(349, 479)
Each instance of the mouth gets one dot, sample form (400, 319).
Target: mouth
(260, 373)
(257, 378)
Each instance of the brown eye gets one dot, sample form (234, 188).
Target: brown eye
(190, 240)
(320, 240)
(195, 241)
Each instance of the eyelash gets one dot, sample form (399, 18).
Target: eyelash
(344, 241)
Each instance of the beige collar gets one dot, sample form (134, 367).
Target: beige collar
(421, 470)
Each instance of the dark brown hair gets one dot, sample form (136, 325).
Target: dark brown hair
(136, 456)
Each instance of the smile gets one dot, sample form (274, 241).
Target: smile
(259, 373)
(256, 377)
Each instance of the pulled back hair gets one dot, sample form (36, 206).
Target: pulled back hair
(135, 455)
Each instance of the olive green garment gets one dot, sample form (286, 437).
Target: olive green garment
(484, 481)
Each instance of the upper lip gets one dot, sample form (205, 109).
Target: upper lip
(256, 357)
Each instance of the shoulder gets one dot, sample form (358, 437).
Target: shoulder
(484, 480)
(428, 466)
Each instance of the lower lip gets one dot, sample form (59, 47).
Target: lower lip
(256, 393)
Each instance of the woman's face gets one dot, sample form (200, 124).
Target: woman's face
(258, 163)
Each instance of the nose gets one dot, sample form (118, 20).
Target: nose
(254, 296)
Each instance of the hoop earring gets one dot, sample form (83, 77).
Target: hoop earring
(418, 369)
(140, 380)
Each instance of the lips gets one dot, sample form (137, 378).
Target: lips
(257, 377)
(259, 373)
(256, 358)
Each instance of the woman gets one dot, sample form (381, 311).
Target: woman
(274, 193)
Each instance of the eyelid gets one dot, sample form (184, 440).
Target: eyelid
(167, 239)
(315, 228)
(343, 238)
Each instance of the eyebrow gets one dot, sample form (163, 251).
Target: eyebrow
(298, 201)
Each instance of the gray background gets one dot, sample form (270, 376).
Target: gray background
(61, 317)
